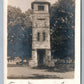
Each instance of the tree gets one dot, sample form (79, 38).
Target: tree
(19, 33)
(62, 29)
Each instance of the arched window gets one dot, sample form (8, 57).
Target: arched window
(44, 36)
(38, 36)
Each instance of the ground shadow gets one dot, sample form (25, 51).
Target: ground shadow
(17, 65)
(37, 76)
(62, 68)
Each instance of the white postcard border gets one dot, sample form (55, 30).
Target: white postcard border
(76, 80)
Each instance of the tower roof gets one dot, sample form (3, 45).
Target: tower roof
(40, 1)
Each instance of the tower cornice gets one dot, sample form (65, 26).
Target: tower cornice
(40, 2)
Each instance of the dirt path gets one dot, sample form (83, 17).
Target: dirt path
(29, 73)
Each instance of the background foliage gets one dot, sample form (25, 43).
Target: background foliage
(62, 29)
(62, 24)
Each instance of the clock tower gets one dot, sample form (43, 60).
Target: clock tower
(41, 51)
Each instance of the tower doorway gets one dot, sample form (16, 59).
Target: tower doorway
(41, 55)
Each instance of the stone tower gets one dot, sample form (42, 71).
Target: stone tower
(41, 51)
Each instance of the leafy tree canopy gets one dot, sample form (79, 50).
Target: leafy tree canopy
(62, 29)
(19, 33)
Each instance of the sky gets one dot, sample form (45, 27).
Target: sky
(24, 5)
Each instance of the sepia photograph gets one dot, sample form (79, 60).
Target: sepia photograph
(41, 39)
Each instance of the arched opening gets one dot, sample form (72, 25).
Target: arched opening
(44, 36)
(38, 36)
